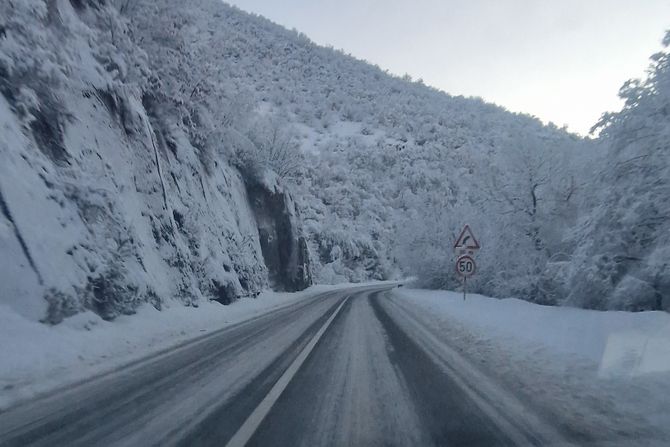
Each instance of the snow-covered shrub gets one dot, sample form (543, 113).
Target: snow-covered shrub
(109, 295)
(633, 294)
(274, 147)
(60, 306)
(552, 286)
(31, 72)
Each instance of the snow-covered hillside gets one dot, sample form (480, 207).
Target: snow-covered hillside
(375, 148)
(106, 204)
(168, 149)
(389, 169)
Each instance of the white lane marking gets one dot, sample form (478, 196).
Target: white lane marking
(247, 430)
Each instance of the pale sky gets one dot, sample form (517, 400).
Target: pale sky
(560, 60)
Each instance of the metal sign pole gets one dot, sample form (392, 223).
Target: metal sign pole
(465, 286)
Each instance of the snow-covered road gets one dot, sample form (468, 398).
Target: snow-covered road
(356, 367)
(371, 383)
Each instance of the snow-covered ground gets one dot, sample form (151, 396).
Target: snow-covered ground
(606, 370)
(37, 357)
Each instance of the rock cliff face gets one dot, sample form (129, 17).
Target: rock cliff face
(281, 237)
(105, 203)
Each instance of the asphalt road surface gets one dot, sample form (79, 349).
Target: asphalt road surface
(346, 368)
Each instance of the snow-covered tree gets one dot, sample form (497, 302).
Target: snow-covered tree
(623, 244)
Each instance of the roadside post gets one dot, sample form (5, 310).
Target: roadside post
(465, 247)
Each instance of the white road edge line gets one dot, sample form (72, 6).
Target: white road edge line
(247, 430)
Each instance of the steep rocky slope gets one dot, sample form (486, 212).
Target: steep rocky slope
(105, 202)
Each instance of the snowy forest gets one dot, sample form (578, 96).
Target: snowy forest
(378, 172)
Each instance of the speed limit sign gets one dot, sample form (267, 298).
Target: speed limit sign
(465, 266)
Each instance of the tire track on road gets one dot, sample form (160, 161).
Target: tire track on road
(449, 416)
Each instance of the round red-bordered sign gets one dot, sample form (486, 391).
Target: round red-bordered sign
(466, 266)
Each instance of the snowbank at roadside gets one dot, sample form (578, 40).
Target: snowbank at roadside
(622, 343)
(36, 357)
(606, 370)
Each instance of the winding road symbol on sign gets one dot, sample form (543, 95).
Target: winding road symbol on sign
(466, 241)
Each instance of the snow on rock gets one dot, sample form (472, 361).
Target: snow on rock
(606, 369)
(282, 242)
(107, 201)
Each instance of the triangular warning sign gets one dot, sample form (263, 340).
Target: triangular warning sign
(467, 240)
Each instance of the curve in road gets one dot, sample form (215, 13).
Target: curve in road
(352, 368)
